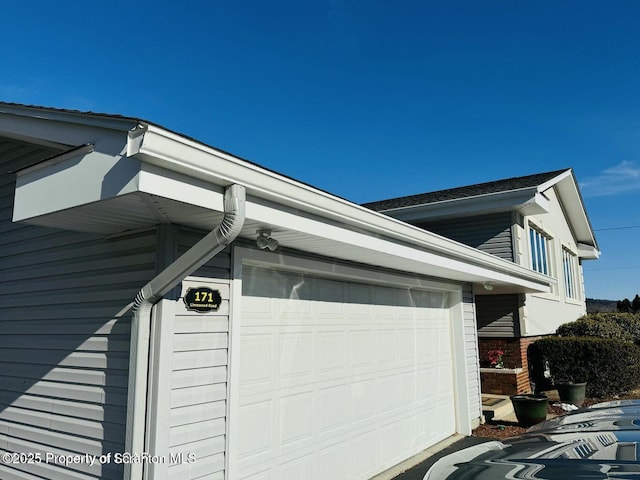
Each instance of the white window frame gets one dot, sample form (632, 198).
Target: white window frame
(570, 273)
(540, 250)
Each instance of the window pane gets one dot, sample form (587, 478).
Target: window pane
(543, 257)
(569, 268)
(534, 258)
(539, 252)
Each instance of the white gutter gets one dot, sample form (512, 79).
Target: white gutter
(152, 292)
(588, 252)
(180, 154)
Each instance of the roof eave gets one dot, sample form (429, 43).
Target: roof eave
(177, 153)
(129, 144)
(526, 200)
(100, 120)
(575, 210)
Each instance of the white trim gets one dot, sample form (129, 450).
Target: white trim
(158, 401)
(588, 252)
(233, 380)
(296, 263)
(176, 153)
(526, 200)
(158, 181)
(420, 258)
(137, 391)
(63, 133)
(63, 157)
(48, 114)
(460, 373)
(160, 162)
(555, 180)
(501, 370)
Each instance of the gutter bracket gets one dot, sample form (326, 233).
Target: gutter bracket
(135, 137)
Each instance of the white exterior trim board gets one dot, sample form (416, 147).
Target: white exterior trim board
(177, 153)
(465, 267)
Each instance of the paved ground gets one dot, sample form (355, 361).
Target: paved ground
(417, 472)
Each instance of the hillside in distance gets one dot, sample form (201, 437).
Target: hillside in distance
(597, 305)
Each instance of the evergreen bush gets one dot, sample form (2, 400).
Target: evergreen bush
(609, 366)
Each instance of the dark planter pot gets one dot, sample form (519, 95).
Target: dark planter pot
(530, 409)
(573, 393)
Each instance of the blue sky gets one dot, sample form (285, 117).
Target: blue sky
(366, 99)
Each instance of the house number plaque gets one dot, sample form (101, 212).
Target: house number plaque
(202, 299)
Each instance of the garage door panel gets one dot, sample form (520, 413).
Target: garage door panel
(387, 394)
(333, 462)
(361, 349)
(332, 352)
(338, 379)
(295, 361)
(263, 474)
(255, 427)
(363, 399)
(386, 347)
(295, 423)
(365, 449)
(257, 367)
(297, 468)
(333, 411)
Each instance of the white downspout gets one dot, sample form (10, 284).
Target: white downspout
(151, 293)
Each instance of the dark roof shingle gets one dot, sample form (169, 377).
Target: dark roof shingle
(508, 184)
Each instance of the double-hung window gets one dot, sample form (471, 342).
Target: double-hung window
(570, 269)
(539, 244)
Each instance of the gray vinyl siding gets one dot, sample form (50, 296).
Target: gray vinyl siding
(498, 315)
(471, 351)
(218, 267)
(64, 342)
(490, 233)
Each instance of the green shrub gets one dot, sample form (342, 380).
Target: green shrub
(589, 327)
(622, 326)
(609, 366)
(628, 323)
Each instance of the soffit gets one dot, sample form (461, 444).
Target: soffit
(141, 210)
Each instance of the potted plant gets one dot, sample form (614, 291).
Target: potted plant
(571, 392)
(495, 358)
(530, 408)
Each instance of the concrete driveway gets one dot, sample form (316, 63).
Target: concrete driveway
(417, 472)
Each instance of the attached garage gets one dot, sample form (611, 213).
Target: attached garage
(342, 349)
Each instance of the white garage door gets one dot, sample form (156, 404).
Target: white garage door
(337, 380)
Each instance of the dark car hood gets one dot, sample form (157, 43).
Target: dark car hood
(600, 442)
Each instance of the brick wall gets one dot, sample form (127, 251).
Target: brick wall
(515, 356)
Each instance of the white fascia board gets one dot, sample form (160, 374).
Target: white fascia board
(72, 179)
(529, 201)
(536, 205)
(51, 116)
(588, 252)
(157, 181)
(555, 180)
(424, 258)
(575, 210)
(174, 152)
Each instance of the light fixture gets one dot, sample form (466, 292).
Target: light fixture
(265, 240)
(488, 286)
